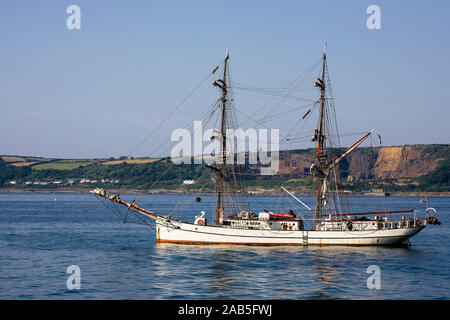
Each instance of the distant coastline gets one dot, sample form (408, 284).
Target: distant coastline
(194, 192)
(414, 170)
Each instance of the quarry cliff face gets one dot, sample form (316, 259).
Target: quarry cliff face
(403, 162)
(373, 163)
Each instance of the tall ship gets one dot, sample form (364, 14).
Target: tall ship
(328, 222)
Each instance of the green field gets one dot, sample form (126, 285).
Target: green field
(63, 165)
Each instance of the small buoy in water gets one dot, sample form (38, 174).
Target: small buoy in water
(198, 199)
(55, 199)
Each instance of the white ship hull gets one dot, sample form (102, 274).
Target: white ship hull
(186, 233)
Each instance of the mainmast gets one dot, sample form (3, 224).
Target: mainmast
(223, 131)
(321, 151)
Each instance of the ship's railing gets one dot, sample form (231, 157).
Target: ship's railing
(376, 223)
(341, 224)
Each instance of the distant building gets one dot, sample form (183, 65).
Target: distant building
(13, 182)
(188, 181)
(41, 183)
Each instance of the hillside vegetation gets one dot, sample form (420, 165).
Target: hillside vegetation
(415, 168)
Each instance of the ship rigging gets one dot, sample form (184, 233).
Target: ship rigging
(331, 223)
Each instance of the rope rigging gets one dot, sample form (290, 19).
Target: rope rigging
(278, 96)
(174, 110)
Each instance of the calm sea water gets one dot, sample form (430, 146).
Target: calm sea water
(41, 237)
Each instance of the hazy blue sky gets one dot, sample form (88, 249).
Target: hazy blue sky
(98, 91)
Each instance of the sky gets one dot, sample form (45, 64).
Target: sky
(100, 90)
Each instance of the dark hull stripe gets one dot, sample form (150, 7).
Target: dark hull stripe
(272, 243)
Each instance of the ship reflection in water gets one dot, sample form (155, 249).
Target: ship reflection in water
(244, 272)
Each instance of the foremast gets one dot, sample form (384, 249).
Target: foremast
(321, 154)
(222, 170)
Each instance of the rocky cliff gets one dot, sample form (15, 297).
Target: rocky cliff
(373, 163)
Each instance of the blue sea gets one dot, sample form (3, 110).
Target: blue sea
(41, 235)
